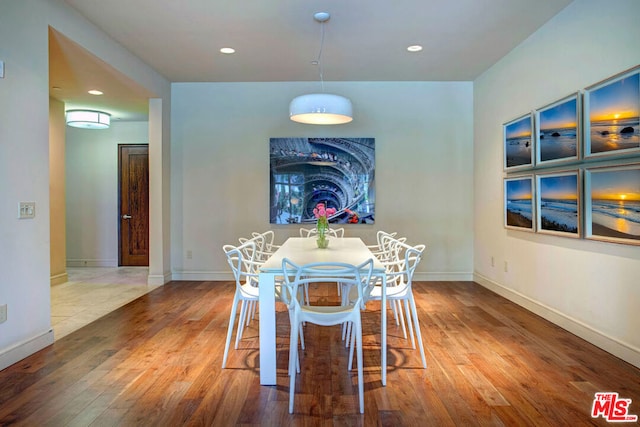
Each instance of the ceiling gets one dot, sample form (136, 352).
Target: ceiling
(277, 40)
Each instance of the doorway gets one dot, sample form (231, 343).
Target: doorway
(133, 205)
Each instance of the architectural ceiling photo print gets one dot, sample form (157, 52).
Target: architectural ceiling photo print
(335, 172)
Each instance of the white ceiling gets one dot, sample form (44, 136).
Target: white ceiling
(277, 40)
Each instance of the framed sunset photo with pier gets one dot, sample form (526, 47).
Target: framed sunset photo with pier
(518, 143)
(612, 204)
(558, 131)
(558, 203)
(612, 116)
(518, 203)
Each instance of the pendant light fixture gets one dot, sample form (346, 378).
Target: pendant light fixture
(321, 108)
(88, 119)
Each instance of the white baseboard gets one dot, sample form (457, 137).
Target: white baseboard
(202, 275)
(159, 279)
(92, 262)
(443, 276)
(24, 349)
(620, 349)
(224, 276)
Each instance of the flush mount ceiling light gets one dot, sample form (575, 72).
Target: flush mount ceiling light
(321, 108)
(88, 119)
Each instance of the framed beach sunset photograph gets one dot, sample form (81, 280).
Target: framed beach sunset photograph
(612, 115)
(557, 131)
(518, 143)
(558, 204)
(518, 203)
(612, 204)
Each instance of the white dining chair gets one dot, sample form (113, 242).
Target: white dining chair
(312, 232)
(296, 276)
(399, 274)
(241, 259)
(387, 254)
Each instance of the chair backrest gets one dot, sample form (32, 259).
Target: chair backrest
(389, 249)
(307, 232)
(336, 232)
(242, 261)
(269, 237)
(381, 233)
(298, 276)
(401, 268)
(311, 232)
(261, 255)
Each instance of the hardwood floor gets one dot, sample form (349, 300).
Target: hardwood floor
(156, 361)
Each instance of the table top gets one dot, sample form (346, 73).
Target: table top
(303, 250)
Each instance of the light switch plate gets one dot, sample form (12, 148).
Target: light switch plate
(27, 210)
(1, 69)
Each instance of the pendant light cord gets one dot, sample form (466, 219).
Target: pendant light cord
(319, 60)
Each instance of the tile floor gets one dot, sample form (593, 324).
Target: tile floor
(91, 293)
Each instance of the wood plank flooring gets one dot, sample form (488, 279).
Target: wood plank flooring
(156, 361)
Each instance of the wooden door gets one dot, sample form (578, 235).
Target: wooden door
(133, 196)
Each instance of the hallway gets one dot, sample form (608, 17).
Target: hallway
(92, 292)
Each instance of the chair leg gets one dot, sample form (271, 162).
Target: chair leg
(232, 318)
(293, 357)
(401, 316)
(409, 323)
(352, 343)
(418, 334)
(348, 333)
(358, 344)
(301, 338)
(241, 321)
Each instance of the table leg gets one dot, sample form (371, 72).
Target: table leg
(267, 329)
(383, 329)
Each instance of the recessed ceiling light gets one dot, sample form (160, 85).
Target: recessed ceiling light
(414, 48)
(228, 50)
(95, 92)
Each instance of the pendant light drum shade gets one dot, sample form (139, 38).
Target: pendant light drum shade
(88, 119)
(321, 109)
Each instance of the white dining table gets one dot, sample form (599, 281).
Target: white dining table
(303, 250)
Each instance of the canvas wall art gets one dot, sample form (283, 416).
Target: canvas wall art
(612, 115)
(557, 131)
(518, 144)
(338, 172)
(612, 199)
(518, 203)
(558, 204)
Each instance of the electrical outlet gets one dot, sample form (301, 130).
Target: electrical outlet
(506, 267)
(493, 262)
(3, 313)
(189, 254)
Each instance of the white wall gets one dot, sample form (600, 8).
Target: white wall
(220, 167)
(590, 288)
(92, 191)
(24, 158)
